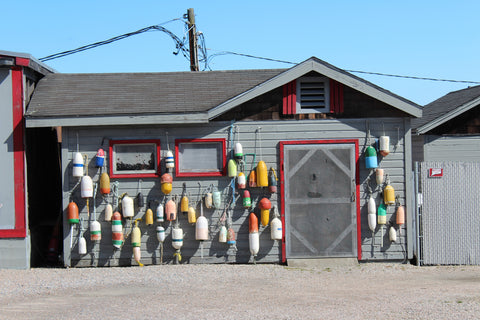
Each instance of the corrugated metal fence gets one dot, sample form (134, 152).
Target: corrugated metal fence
(448, 213)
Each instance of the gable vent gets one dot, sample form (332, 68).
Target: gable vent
(312, 94)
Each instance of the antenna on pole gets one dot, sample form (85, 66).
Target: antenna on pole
(192, 40)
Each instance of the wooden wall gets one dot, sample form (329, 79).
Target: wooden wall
(265, 145)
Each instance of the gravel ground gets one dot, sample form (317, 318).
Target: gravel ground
(366, 291)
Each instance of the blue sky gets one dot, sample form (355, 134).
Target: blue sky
(436, 39)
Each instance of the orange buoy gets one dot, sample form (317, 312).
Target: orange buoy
(72, 213)
(253, 236)
(400, 215)
(117, 230)
(252, 179)
(171, 210)
(262, 174)
(265, 206)
(166, 183)
(252, 223)
(241, 181)
(231, 236)
(104, 183)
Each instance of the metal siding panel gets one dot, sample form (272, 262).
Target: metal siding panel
(449, 148)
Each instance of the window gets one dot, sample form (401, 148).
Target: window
(200, 157)
(313, 95)
(134, 158)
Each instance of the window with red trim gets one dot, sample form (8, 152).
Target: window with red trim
(134, 158)
(200, 157)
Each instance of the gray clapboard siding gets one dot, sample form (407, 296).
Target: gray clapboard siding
(452, 148)
(15, 253)
(271, 133)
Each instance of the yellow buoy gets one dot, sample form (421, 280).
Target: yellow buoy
(149, 217)
(262, 174)
(104, 183)
(389, 195)
(184, 204)
(192, 215)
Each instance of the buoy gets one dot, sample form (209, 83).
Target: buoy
(276, 229)
(82, 245)
(177, 238)
(140, 200)
(184, 205)
(252, 179)
(136, 235)
(166, 183)
(231, 236)
(389, 195)
(201, 229)
(379, 176)
(108, 212)
(392, 234)
(272, 181)
(247, 201)
(222, 236)
(192, 215)
(265, 205)
(95, 231)
(372, 214)
(171, 210)
(241, 181)
(208, 200)
(127, 206)
(384, 145)
(100, 158)
(238, 151)
(382, 214)
(232, 168)
(72, 213)
(117, 230)
(149, 217)
(160, 234)
(169, 161)
(400, 216)
(160, 213)
(253, 237)
(217, 199)
(86, 187)
(371, 161)
(104, 183)
(77, 171)
(262, 174)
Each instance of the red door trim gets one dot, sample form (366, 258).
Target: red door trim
(357, 179)
(18, 157)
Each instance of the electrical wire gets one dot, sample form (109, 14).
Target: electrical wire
(180, 44)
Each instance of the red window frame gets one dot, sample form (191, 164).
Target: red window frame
(219, 173)
(134, 175)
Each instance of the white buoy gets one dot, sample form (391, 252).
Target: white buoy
(86, 187)
(108, 212)
(379, 176)
(276, 229)
(160, 234)
(82, 245)
(160, 213)
(392, 234)
(201, 228)
(222, 236)
(384, 145)
(77, 165)
(95, 231)
(372, 214)
(127, 207)
(177, 238)
(169, 161)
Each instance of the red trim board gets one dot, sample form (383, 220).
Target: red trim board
(357, 179)
(18, 157)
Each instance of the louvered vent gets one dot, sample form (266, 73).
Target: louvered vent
(312, 94)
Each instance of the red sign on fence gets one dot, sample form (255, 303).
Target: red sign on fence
(435, 172)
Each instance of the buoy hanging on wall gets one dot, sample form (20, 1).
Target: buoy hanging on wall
(95, 231)
(192, 215)
(171, 210)
(86, 187)
(136, 243)
(117, 230)
(82, 245)
(241, 181)
(232, 168)
(371, 161)
(238, 152)
(372, 214)
(169, 160)
(231, 236)
(247, 201)
(253, 237)
(177, 238)
(201, 229)
(262, 174)
(127, 206)
(384, 145)
(217, 199)
(149, 217)
(272, 181)
(166, 183)
(99, 158)
(400, 216)
(389, 195)
(222, 235)
(160, 234)
(276, 229)
(252, 179)
(379, 176)
(265, 205)
(104, 183)
(392, 234)
(184, 205)
(77, 171)
(108, 212)
(382, 214)
(72, 213)
(160, 213)
(208, 200)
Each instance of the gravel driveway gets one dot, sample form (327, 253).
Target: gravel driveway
(366, 291)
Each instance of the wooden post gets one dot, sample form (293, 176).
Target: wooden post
(192, 40)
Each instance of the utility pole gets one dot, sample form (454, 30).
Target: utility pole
(192, 40)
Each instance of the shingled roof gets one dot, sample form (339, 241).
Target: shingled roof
(174, 97)
(446, 108)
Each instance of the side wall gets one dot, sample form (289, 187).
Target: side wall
(452, 148)
(265, 145)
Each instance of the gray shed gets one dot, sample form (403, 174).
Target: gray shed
(19, 74)
(309, 124)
